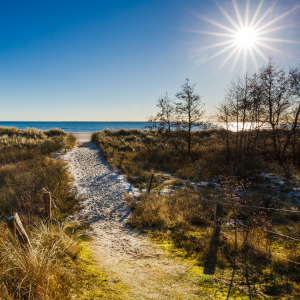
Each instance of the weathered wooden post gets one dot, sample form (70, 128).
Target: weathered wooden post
(17, 230)
(48, 203)
(120, 165)
(113, 152)
(149, 184)
(219, 208)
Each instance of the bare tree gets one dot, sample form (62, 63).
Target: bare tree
(175, 121)
(277, 103)
(189, 111)
(294, 81)
(165, 122)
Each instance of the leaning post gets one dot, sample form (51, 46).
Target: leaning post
(17, 230)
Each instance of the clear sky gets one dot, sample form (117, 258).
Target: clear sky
(110, 60)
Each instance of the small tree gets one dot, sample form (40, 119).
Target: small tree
(189, 111)
(176, 120)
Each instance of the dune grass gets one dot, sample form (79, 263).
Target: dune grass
(147, 151)
(28, 164)
(182, 223)
(181, 220)
(60, 265)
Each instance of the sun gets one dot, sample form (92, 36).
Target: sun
(246, 37)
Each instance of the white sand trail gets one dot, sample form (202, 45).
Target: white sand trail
(143, 267)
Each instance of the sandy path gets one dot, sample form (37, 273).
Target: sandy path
(82, 136)
(143, 267)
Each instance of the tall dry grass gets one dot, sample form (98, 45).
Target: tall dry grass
(146, 151)
(40, 273)
(183, 223)
(183, 220)
(28, 164)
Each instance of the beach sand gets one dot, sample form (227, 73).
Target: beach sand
(83, 136)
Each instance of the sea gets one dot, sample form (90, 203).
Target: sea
(76, 126)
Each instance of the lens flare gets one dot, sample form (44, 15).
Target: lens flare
(245, 37)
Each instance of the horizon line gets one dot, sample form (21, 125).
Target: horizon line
(77, 121)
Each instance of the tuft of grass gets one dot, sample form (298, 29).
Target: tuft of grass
(60, 266)
(42, 272)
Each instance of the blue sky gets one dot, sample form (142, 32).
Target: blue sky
(110, 60)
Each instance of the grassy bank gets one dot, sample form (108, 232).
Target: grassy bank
(60, 264)
(28, 164)
(146, 152)
(257, 252)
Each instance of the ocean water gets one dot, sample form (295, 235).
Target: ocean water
(77, 126)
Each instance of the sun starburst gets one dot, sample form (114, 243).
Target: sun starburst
(246, 36)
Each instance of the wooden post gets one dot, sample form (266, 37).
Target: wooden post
(47, 204)
(120, 165)
(113, 152)
(149, 184)
(219, 208)
(17, 230)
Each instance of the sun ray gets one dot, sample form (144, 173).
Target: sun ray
(264, 15)
(235, 61)
(253, 58)
(217, 45)
(237, 12)
(270, 47)
(212, 33)
(258, 32)
(217, 24)
(228, 17)
(279, 17)
(247, 13)
(245, 35)
(218, 53)
(245, 60)
(256, 12)
(258, 51)
(277, 40)
(226, 60)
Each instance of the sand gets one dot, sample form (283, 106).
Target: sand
(82, 136)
